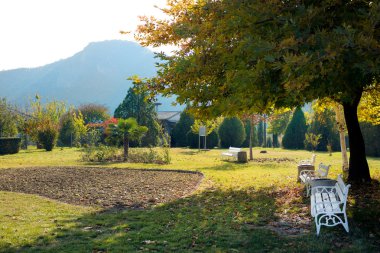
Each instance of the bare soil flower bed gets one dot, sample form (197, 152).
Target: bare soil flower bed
(105, 187)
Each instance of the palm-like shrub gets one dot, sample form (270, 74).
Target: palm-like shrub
(127, 129)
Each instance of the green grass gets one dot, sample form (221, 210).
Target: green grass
(229, 213)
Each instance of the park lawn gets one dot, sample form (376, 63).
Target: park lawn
(233, 210)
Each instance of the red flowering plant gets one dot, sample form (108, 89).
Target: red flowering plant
(102, 128)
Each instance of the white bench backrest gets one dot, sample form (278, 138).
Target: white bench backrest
(323, 170)
(232, 149)
(313, 159)
(342, 189)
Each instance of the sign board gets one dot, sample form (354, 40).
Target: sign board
(202, 131)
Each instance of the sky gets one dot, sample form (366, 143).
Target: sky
(37, 32)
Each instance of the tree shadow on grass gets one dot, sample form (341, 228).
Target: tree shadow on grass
(365, 211)
(211, 221)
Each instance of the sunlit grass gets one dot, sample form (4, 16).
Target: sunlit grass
(214, 219)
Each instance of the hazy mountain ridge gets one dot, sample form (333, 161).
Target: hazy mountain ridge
(97, 74)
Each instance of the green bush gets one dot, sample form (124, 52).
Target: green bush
(231, 132)
(102, 154)
(48, 138)
(295, 131)
(149, 155)
(9, 145)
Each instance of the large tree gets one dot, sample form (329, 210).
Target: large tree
(93, 113)
(237, 55)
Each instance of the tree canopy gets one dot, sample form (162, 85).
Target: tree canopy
(247, 56)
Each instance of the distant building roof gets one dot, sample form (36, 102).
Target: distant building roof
(171, 116)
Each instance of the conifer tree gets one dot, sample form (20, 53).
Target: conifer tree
(135, 105)
(295, 131)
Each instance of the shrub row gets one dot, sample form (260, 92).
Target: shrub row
(9, 145)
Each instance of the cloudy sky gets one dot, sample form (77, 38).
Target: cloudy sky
(37, 32)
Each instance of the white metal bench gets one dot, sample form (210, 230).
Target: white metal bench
(232, 152)
(307, 175)
(328, 205)
(308, 161)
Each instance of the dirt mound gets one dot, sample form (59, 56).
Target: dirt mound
(103, 187)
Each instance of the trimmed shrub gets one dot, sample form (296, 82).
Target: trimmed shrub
(295, 131)
(9, 145)
(231, 132)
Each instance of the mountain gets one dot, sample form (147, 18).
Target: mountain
(97, 74)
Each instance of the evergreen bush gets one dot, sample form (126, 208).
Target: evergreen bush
(231, 132)
(212, 140)
(179, 133)
(9, 145)
(295, 131)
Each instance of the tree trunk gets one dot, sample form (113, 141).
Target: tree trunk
(265, 132)
(358, 167)
(342, 128)
(250, 139)
(126, 147)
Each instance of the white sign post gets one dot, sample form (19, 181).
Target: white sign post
(202, 132)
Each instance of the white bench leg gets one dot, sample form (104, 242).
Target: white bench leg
(345, 223)
(308, 189)
(317, 224)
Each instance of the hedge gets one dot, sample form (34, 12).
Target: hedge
(9, 145)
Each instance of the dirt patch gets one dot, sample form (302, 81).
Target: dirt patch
(105, 187)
